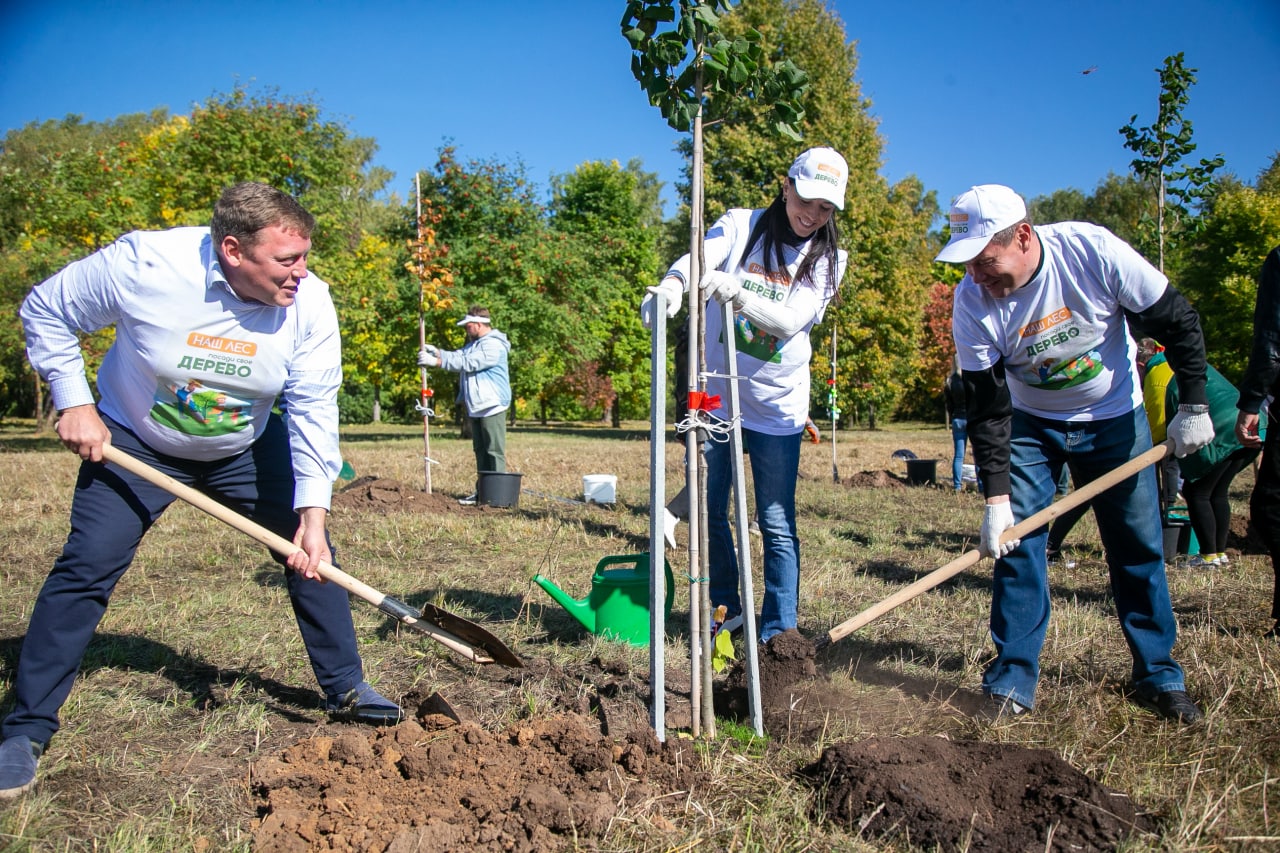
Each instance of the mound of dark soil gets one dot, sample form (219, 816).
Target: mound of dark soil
(966, 795)
(377, 494)
(1244, 537)
(874, 480)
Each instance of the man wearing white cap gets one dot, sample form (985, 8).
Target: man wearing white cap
(1041, 323)
(779, 268)
(484, 386)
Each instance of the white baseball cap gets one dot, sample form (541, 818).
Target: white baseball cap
(820, 173)
(474, 318)
(977, 216)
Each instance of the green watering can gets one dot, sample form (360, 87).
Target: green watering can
(618, 606)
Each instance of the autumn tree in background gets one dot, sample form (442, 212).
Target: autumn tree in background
(70, 187)
(543, 292)
(877, 319)
(1220, 271)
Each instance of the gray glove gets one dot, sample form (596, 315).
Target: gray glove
(429, 356)
(998, 519)
(723, 288)
(672, 289)
(1190, 429)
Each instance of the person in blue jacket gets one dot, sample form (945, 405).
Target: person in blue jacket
(484, 386)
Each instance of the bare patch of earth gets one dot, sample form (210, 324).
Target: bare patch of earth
(381, 494)
(438, 783)
(874, 480)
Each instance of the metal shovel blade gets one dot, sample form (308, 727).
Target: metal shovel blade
(472, 634)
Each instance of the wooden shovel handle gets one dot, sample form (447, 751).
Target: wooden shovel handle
(1022, 528)
(279, 544)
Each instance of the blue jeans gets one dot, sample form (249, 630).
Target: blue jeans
(959, 434)
(110, 512)
(1128, 516)
(775, 465)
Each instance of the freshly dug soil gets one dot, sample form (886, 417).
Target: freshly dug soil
(379, 494)
(874, 480)
(968, 795)
(440, 783)
(432, 784)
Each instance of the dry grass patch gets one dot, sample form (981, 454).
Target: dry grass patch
(198, 674)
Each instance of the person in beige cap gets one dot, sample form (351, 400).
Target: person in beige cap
(779, 268)
(1041, 323)
(484, 387)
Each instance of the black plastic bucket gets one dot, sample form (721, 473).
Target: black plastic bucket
(495, 488)
(922, 472)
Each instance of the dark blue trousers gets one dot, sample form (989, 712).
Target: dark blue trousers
(110, 512)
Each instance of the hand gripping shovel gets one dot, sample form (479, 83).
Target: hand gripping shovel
(1022, 528)
(455, 633)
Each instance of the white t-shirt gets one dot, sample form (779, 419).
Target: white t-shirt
(194, 370)
(1067, 350)
(774, 389)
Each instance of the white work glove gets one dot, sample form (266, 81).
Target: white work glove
(723, 288)
(1190, 429)
(998, 519)
(672, 289)
(429, 356)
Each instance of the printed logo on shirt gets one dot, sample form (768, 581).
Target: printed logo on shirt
(779, 278)
(1054, 376)
(193, 408)
(230, 346)
(1061, 315)
(754, 342)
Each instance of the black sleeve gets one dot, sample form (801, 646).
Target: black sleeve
(990, 426)
(1175, 324)
(1263, 372)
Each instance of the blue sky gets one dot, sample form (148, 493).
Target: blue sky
(964, 92)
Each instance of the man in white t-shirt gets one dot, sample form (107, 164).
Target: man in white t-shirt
(1041, 323)
(213, 327)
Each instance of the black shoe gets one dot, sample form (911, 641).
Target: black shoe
(1173, 705)
(363, 704)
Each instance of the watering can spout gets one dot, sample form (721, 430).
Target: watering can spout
(580, 610)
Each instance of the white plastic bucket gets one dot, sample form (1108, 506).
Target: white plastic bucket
(599, 488)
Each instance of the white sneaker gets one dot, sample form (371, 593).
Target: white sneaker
(1059, 560)
(1205, 561)
(669, 522)
(469, 500)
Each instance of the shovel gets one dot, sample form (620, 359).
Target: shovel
(1022, 528)
(449, 630)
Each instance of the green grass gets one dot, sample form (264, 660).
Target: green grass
(198, 669)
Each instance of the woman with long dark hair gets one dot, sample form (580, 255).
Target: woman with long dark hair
(779, 267)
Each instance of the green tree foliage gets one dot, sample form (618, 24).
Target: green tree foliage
(1220, 273)
(544, 294)
(67, 188)
(607, 214)
(1177, 185)
(878, 321)
(1119, 203)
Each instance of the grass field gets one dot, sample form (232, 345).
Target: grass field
(197, 671)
